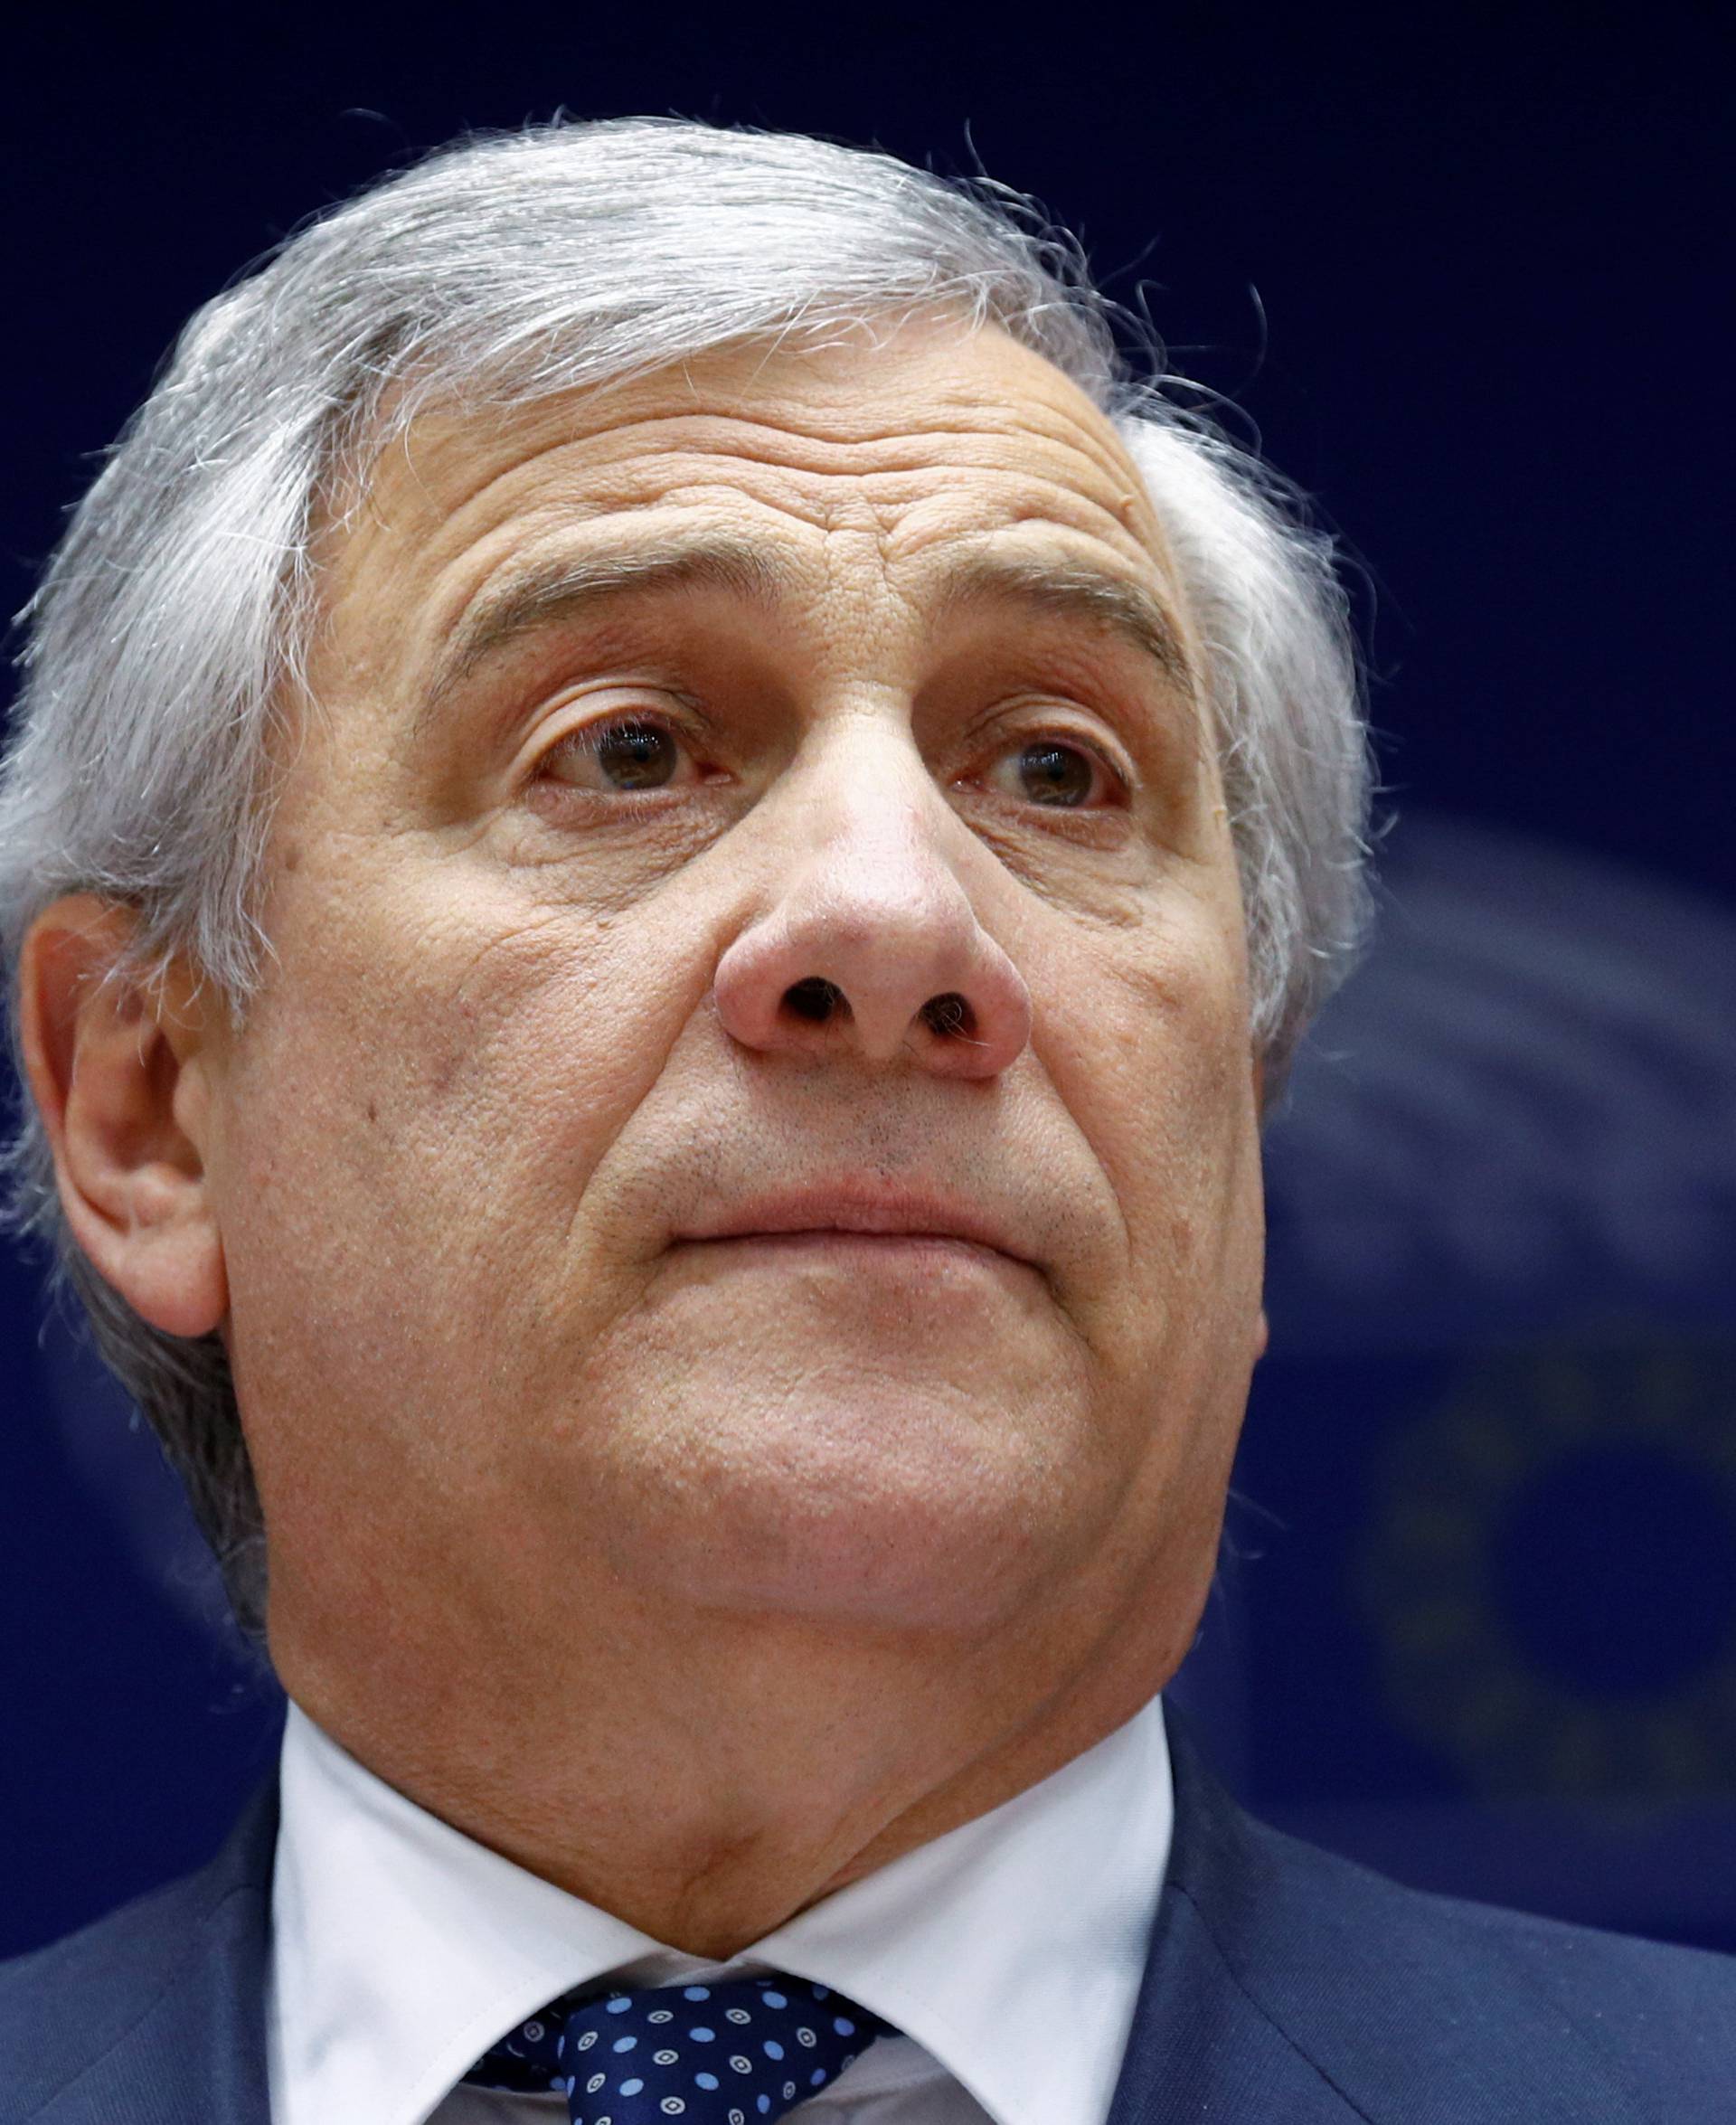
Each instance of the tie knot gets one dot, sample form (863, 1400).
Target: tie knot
(738, 2052)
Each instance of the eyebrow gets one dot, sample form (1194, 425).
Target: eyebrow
(1076, 590)
(566, 587)
(563, 588)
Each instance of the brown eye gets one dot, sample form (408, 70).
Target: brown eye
(637, 756)
(621, 755)
(1049, 772)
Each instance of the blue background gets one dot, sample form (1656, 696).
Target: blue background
(1462, 274)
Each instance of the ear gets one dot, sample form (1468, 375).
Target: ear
(120, 1076)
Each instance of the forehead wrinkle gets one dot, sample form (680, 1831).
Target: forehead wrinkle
(856, 541)
(743, 437)
(905, 503)
(923, 385)
(747, 435)
(909, 453)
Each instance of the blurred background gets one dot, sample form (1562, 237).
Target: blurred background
(1459, 272)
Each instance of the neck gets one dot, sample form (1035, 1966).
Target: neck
(705, 1785)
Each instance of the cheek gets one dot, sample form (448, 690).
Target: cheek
(435, 1055)
(1153, 1060)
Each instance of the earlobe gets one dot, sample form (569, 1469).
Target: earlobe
(117, 1070)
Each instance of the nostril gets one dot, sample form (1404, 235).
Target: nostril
(949, 1015)
(813, 999)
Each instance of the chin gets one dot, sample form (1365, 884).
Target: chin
(874, 1580)
(902, 1510)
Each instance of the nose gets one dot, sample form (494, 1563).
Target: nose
(872, 944)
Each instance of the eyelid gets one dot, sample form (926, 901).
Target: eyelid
(589, 736)
(569, 767)
(611, 709)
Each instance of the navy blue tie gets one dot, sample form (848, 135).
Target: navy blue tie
(740, 2053)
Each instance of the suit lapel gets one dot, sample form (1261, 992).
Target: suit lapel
(1202, 2046)
(187, 2047)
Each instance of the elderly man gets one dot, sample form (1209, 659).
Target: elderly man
(663, 842)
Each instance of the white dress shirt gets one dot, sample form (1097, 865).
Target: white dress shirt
(1009, 1951)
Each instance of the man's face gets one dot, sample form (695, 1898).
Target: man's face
(752, 1106)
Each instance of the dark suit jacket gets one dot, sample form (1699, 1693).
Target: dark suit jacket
(1284, 1987)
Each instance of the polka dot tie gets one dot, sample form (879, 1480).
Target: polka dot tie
(734, 2054)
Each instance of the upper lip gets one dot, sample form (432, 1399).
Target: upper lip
(856, 1209)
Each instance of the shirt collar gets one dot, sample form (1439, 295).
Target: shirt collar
(1010, 1948)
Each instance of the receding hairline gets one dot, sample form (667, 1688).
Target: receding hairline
(447, 388)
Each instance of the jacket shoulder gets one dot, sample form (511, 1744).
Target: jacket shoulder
(1396, 2004)
(1630, 1997)
(68, 2008)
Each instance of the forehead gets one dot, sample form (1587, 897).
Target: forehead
(878, 457)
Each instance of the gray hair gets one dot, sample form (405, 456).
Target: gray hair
(172, 622)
